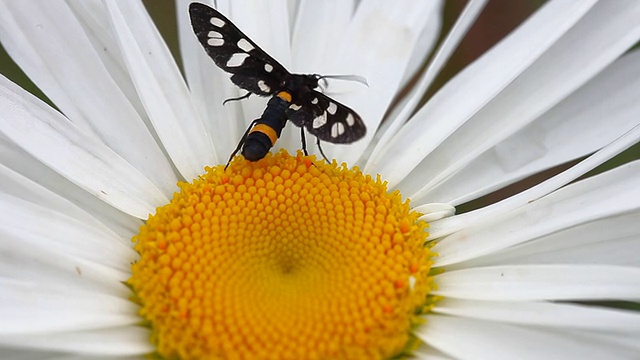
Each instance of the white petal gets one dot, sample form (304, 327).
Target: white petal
(116, 341)
(407, 104)
(609, 241)
(490, 340)
(427, 352)
(543, 314)
(98, 30)
(385, 36)
(612, 193)
(267, 24)
(568, 64)
(541, 282)
(60, 248)
(162, 89)
(435, 211)
(26, 178)
(31, 354)
(475, 86)
(573, 128)
(312, 49)
(33, 310)
(52, 139)
(455, 223)
(78, 82)
(427, 40)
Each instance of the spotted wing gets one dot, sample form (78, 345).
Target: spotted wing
(252, 68)
(326, 118)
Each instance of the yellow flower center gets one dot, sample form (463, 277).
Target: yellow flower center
(285, 258)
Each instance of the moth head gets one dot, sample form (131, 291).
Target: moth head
(298, 81)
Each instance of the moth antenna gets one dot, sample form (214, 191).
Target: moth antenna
(356, 78)
(325, 83)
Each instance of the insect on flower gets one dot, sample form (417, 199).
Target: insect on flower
(293, 96)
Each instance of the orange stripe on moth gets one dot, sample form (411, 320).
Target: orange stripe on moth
(284, 96)
(267, 130)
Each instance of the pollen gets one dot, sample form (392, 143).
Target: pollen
(284, 258)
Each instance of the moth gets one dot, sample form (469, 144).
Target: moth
(293, 96)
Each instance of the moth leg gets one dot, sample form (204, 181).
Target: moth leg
(322, 152)
(304, 141)
(237, 99)
(242, 140)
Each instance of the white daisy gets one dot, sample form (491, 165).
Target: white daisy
(525, 277)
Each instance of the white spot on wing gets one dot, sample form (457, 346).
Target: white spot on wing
(337, 129)
(245, 45)
(295, 107)
(332, 108)
(237, 59)
(217, 22)
(314, 101)
(215, 42)
(320, 121)
(268, 68)
(215, 38)
(263, 86)
(350, 120)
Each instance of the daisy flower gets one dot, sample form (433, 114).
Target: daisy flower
(123, 235)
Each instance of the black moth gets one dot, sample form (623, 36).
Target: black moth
(293, 95)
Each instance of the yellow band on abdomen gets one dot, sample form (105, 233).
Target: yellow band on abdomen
(284, 96)
(267, 130)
